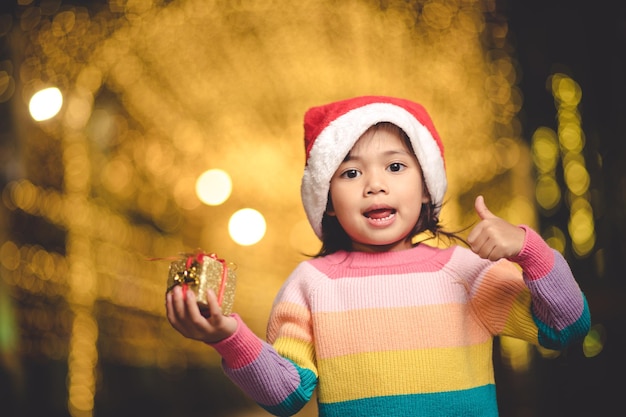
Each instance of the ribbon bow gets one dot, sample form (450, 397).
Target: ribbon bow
(190, 275)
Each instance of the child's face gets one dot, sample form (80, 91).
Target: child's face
(377, 192)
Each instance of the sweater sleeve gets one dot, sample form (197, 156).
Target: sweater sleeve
(558, 306)
(278, 382)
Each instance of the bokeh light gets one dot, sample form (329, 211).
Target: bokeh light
(547, 192)
(247, 226)
(213, 187)
(45, 104)
(594, 341)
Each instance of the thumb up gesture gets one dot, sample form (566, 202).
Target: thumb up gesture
(494, 238)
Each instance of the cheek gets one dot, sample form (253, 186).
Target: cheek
(336, 204)
(343, 205)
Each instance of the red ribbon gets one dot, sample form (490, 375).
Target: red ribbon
(198, 257)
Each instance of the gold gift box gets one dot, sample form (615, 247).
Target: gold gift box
(201, 271)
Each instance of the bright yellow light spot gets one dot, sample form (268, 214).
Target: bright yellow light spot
(594, 341)
(576, 177)
(45, 104)
(213, 187)
(247, 226)
(566, 90)
(581, 224)
(545, 149)
(547, 192)
(581, 227)
(570, 136)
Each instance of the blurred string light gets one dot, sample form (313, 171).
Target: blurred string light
(567, 146)
(581, 225)
(145, 84)
(545, 149)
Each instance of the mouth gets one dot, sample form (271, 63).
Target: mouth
(380, 214)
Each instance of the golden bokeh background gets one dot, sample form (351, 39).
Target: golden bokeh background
(156, 93)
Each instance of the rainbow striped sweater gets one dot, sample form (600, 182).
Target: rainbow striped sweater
(405, 333)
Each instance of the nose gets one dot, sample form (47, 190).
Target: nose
(375, 185)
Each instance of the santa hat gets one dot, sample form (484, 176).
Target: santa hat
(331, 130)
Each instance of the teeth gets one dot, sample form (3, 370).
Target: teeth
(376, 214)
(381, 218)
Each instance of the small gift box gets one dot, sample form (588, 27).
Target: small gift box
(201, 271)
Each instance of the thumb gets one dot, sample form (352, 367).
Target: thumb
(482, 210)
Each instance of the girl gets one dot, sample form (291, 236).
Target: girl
(378, 324)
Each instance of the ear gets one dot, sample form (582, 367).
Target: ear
(331, 212)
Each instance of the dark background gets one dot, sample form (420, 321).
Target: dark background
(587, 41)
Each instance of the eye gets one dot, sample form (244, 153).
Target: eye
(350, 173)
(396, 167)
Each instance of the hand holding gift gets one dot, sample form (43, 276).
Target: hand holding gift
(201, 271)
(200, 295)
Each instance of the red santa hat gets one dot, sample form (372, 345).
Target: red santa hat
(331, 130)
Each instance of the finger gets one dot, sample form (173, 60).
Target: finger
(482, 210)
(193, 310)
(196, 317)
(488, 252)
(190, 300)
(478, 236)
(474, 235)
(178, 303)
(173, 314)
(215, 310)
(485, 250)
(169, 308)
(481, 249)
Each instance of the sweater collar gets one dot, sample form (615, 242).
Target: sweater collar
(420, 253)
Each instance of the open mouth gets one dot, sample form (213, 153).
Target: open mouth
(380, 214)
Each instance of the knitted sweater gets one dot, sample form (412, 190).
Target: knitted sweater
(403, 333)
